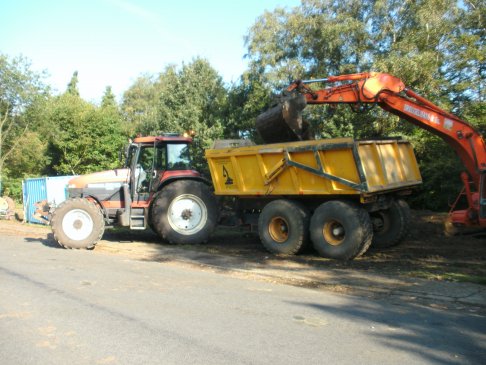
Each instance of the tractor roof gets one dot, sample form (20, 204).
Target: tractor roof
(152, 139)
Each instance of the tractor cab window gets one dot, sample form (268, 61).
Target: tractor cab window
(160, 158)
(178, 156)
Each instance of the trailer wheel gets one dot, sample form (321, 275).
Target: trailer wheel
(283, 227)
(341, 230)
(391, 226)
(77, 223)
(185, 212)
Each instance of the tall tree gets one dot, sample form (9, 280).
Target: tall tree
(72, 87)
(191, 97)
(140, 104)
(86, 138)
(20, 87)
(108, 100)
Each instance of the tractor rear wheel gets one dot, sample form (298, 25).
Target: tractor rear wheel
(341, 230)
(185, 212)
(77, 223)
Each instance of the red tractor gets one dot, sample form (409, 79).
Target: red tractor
(157, 188)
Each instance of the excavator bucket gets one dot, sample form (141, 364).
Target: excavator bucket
(283, 122)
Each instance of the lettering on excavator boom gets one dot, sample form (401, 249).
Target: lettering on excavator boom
(422, 114)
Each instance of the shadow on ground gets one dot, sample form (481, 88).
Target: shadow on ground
(437, 337)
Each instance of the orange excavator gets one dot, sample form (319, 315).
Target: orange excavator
(284, 122)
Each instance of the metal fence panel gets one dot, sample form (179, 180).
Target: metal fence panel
(40, 192)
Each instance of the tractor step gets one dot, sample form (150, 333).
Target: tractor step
(137, 219)
(137, 222)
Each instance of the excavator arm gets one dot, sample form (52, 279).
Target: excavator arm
(391, 94)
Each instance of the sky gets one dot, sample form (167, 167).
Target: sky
(112, 42)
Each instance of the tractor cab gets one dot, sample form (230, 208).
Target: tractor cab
(154, 161)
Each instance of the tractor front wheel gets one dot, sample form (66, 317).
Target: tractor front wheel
(77, 223)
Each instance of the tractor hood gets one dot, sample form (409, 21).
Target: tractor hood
(102, 179)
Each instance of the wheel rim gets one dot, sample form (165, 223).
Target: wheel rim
(77, 224)
(278, 229)
(187, 214)
(381, 222)
(334, 232)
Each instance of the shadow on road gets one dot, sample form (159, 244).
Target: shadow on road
(48, 241)
(437, 337)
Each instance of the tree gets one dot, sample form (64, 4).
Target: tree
(72, 87)
(85, 138)
(192, 97)
(140, 104)
(108, 100)
(20, 89)
(246, 100)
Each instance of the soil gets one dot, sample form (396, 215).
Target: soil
(425, 253)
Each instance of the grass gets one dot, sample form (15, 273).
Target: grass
(450, 276)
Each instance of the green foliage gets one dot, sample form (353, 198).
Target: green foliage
(108, 100)
(30, 158)
(84, 138)
(12, 187)
(20, 89)
(246, 100)
(140, 104)
(72, 88)
(179, 100)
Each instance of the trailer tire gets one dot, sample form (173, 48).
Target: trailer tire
(283, 227)
(306, 214)
(77, 223)
(341, 230)
(391, 226)
(185, 212)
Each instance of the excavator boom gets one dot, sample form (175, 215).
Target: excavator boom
(391, 94)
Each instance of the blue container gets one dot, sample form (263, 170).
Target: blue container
(41, 192)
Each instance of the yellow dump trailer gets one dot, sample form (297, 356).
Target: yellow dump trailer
(323, 167)
(339, 193)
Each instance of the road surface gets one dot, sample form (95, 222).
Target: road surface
(62, 306)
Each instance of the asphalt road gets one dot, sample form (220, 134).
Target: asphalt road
(83, 307)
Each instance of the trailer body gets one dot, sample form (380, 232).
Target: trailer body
(338, 166)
